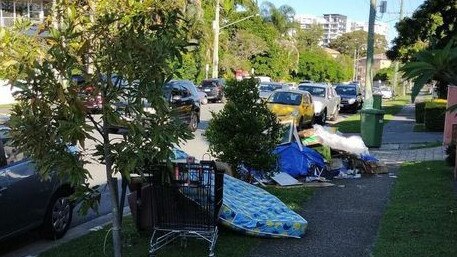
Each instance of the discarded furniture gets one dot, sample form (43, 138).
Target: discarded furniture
(186, 203)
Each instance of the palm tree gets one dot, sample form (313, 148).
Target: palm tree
(435, 64)
(282, 18)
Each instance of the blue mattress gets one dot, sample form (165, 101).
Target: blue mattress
(254, 211)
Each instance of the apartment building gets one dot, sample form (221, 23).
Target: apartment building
(380, 28)
(306, 21)
(334, 26)
(11, 10)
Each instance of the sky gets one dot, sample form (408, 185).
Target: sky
(356, 10)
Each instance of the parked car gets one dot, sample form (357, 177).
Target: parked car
(88, 93)
(28, 202)
(267, 88)
(263, 78)
(325, 99)
(386, 92)
(351, 97)
(291, 85)
(213, 88)
(202, 96)
(183, 97)
(292, 105)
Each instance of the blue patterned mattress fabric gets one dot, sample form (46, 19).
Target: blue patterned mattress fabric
(254, 211)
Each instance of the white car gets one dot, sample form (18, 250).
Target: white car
(386, 92)
(325, 99)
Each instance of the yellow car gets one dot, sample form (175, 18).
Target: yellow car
(292, 105)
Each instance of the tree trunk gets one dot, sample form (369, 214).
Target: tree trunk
(116, 230)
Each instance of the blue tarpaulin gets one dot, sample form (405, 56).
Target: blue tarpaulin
(296, 162)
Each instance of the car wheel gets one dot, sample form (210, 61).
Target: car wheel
(323, 117)
(301, 124)
(204, 101)
(58, 217)
(335, 114)
(193, 122)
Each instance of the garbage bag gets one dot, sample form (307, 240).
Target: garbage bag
(295, 162)
(352, 144)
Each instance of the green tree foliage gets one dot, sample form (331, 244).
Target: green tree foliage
(262, 43)
(349, 42)
(431, 25)
(282, 18)
(317, 65)
(435, 64)
(245, 131)
(385, 74)
(309, 37)
(248, 45)
(141, 40)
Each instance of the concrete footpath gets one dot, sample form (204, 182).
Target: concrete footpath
(344, 220)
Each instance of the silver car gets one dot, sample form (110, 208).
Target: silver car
(325, 99)
(27, 201)
(267, 88)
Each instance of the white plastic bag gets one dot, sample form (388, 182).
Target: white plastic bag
(352, 144)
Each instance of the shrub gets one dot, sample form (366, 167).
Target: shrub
(245, 131)
(434, 115)
(450, 152)
(420, 108)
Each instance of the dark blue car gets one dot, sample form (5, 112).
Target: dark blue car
(351, 97)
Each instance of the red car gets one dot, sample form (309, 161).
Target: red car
(92, 99)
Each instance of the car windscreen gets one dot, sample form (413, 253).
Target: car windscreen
(266, 88)
(167, 88)
(174, 85)
(209, 83)
(314, 91)
(287, 98)
(345, 90)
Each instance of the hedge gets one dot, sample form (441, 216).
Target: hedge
(434, 115)
(420, 108)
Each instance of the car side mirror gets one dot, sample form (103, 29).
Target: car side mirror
(176, 98)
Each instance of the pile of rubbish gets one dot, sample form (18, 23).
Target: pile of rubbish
(319, 154)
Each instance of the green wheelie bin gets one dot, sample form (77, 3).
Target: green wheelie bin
(372, 124)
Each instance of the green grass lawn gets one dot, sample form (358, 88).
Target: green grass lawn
(426, 145)
(136, 244)
(391, 107)
(421, 218)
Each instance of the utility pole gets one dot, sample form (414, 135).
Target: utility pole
(368, 102)
(354, 74)
(397, 63)
(216, 41)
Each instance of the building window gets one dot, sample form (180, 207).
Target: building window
(7, 13)
(12, 10)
